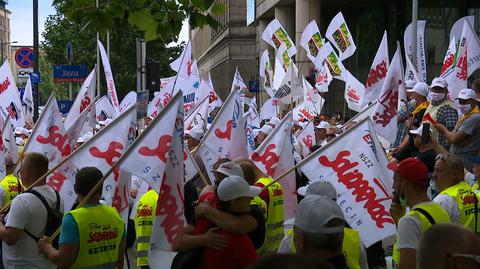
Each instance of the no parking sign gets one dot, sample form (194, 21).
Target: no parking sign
(24, 57)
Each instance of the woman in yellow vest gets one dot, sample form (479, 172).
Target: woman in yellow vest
(144, 217)
(410, 183)
(92, 236)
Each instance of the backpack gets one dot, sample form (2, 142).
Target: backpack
(189, 259)
(54, 217)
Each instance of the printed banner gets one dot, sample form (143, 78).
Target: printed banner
(311, 40)
(275, 35)
(377, 73)
(111, 90)
(354, 92)
(340, 36)
(421, 64)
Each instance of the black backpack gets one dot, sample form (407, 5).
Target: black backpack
(54, 217)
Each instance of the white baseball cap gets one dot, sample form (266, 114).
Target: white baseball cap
(324, 188)
(323, 125)
(467, 94)
(420, 88)
(230, 169)
(439, 82)
(234, 187)
(274, 121)
(195, 133)
(21, 130)
(267, 129)
(315, 211)
(409, 83)
(19, 141)
(419, 130)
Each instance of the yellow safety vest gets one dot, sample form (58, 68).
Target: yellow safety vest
(100, 230)
(12, 186)
(465, 198)
(435, 210)
(274, 231)
(144, 217)
(350, 246)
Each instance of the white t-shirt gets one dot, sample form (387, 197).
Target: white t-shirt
(27, 212)
(450, 205)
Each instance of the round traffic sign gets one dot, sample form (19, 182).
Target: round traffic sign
(24, 57)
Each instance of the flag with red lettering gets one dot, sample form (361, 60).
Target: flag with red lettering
(27, 101)
(10, 101)
(84, 98)
(421, 64)
(75, 129)
(385, 115)
(275, 35)
(214, 99)
(269, 109)
(111, 90)
(377, 73)
(104, 149)
(183, 64)
(153, 145)
(354, 92)
(340, 36)
(323, 78)
(49, 136)
(307, 138)
(311, 40)
(449, 60)
(216, 142)
(304, 112)
(457, 76)
(198, 117)
(312, 98)
(155, 105)
(275, 156)
(103, 109)
(473, 47)
(356, 165)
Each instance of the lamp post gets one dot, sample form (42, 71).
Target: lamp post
(2, 47)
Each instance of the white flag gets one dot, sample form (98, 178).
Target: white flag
(354, 92)
(111, 90)
(275, 35)
(184, 65)
(307, 138)
(449, 60)
(385, 115)
(457, 27)
(312, 98)
(356, 165)
(49, 136)
(8, 137)
(421, 64)
(274, 157)
(238, 139)
(473, 46)
(303, 112)
(104, 109)
(291, 87)
(266, 73)
(270, 109)
(27, 102)
(10, 101)
(410, 71)
(311, 40)
(214, 100)
(377, 73)
(323, 78)
(84, 98)
(198, 117)
(129, 100)
(457, 76)
(252, 123)
(340, 36)
(155, 105)
(328, 56)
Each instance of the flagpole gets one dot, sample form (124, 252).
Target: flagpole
(308, 158)
(202, 176)
(179, 68)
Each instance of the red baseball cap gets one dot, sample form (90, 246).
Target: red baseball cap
(413, 170)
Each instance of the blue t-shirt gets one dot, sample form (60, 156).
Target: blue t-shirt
(69, 233)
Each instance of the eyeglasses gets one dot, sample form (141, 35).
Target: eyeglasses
(474, 258)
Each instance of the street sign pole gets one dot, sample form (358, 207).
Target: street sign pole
(36, 93)
(70, 61)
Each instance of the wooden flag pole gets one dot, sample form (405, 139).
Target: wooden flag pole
(202, 176)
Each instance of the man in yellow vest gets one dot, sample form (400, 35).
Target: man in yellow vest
(352, 246)
(92, 236)
(410, 183)
(441, 110)
(144, 217)
(273, 198)
(456, 196)
(10, 186)
(464, 140)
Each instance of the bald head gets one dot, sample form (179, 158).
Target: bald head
(443, 239)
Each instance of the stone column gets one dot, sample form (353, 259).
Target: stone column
(305, 11)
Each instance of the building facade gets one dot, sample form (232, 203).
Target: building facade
(367, 20)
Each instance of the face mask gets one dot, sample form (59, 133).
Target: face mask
(465, 108)
(437, 96)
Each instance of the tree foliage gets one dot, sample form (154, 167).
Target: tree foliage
(156, 19)
(59, 30)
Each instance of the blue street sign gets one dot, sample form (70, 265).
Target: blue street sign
(64, 106)
(70, 73)
(253, 85)
(35, 77)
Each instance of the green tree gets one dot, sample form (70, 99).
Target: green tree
(59, 30)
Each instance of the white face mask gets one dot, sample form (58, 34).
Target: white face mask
(437, 96)
(465, 108)
(412, 102)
